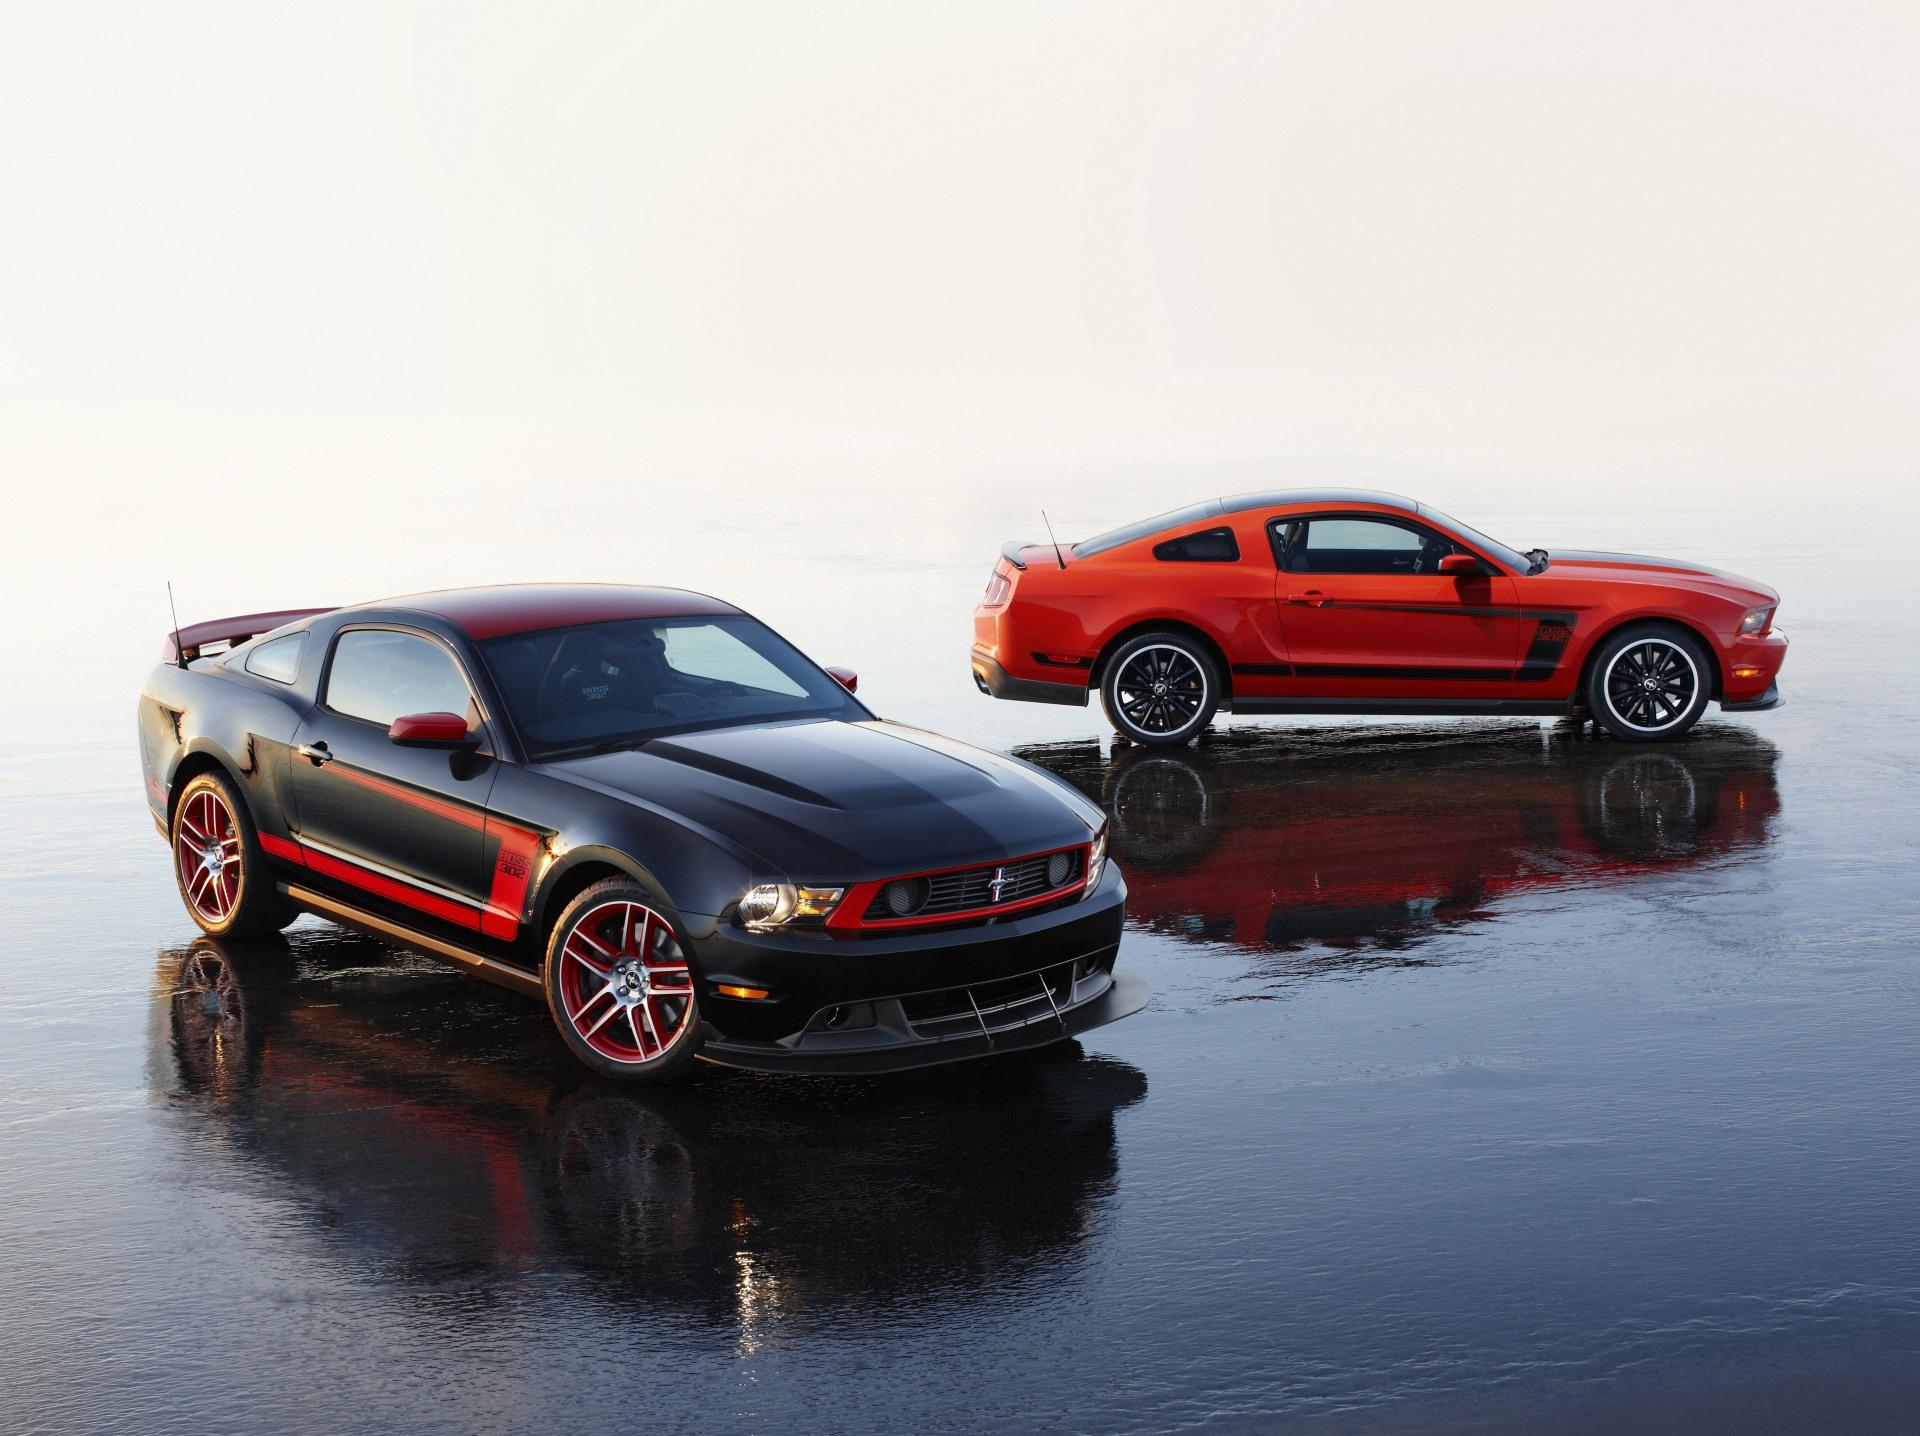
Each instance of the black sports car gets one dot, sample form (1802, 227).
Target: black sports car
(645, 806)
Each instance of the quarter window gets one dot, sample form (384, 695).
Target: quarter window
(278, 660)
(379, 674)
(1207, 546)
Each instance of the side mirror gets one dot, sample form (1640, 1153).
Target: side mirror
(846, 678)
(431, 730)
(1461, 565)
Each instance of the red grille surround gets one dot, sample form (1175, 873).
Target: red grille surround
(853, 914)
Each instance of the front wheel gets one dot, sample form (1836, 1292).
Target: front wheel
(619, 985)
(1160, 688)
(1649, 682)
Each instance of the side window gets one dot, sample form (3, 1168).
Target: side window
(378, 675)
(1208, 546)
(1364, 546)
(278, 660)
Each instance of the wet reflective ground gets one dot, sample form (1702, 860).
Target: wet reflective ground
(1497, 1077)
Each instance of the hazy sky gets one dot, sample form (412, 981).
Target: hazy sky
(278, 269)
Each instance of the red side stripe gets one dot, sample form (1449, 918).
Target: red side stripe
(429, 903)
(499, 917)
(287, 852)
(512, 871)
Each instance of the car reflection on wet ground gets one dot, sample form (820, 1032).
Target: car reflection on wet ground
(1497, 1076)
(754, 1207)
(1366, 842)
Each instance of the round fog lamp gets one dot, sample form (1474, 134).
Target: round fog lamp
(906, 896)
(1059, 869)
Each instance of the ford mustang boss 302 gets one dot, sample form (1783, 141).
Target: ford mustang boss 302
(1350, 601)
(644, 806)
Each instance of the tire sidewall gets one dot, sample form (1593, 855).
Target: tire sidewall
(1110, 681)
(668, 1065)
(1596, 686)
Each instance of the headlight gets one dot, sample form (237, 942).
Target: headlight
(1755, 620)
(768, 905)
(1096, 858)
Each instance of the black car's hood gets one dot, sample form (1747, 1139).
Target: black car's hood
(836, 801)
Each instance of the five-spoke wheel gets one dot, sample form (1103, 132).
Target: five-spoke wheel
(619, 984)
(1160, 688)
(1649, 682)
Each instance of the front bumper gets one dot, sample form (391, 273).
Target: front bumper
(915, 999)
(1752, 673)
(1770, 699)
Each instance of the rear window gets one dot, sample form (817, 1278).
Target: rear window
(1207, 546)
(1146, 528)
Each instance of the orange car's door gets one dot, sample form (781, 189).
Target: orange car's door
(1367, 615)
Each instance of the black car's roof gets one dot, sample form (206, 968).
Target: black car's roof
(502, 609)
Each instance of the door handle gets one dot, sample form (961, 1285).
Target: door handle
(315, 753)
(1313, 598)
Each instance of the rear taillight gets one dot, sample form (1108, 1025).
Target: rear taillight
(999, 590)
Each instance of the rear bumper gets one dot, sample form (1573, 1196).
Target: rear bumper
(915, 999)
(990, 678)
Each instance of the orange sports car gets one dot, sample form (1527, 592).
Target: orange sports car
(1349, 601)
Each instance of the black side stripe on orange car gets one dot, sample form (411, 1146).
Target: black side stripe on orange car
(1550, 639)
(1552, 633)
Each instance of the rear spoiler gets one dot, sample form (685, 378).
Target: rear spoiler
(186, 644)
(1016, 552)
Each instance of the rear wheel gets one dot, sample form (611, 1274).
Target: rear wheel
(1649, 682)
(619, 985)
(1160, 688)
(218, 866)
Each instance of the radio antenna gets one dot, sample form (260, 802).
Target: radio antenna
(179, 658)
(1058, 557)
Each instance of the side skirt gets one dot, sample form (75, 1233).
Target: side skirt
(1388, 707)
(503, 973)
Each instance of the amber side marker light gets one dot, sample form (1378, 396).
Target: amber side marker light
(752, 994)
(1746, 673)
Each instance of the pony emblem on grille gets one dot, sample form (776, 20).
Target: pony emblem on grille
(999, 883)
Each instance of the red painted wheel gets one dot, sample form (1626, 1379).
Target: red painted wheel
(619, 984)
(206, 848)
(218, 865)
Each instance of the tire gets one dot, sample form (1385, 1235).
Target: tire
(1649, 682)
(218, 867)
(619, 985)
(1160, 688)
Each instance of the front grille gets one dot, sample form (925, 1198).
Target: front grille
(972, 889)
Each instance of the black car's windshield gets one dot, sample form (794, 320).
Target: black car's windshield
(1512, 558)
(608, 685)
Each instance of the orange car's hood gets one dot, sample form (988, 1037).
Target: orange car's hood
(1639, 568)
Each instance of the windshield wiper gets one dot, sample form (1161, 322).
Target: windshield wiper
(1536, 560)
(589, 750)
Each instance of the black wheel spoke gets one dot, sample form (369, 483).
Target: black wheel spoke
(1161, 690)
